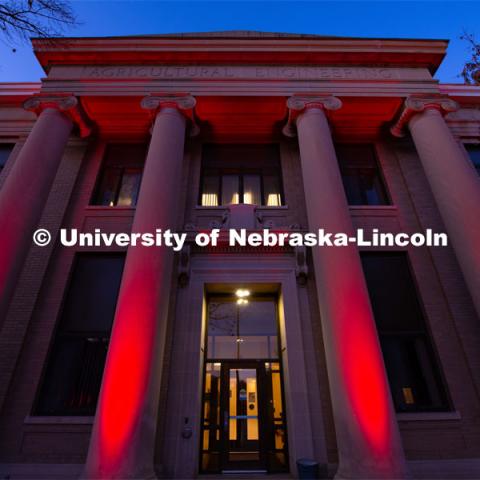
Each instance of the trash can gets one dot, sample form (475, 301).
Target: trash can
(307, 469)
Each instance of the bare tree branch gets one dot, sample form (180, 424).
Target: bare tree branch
(21, 19)
(471, 69)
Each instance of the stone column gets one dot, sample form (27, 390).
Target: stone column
(368, 440)
(123, 437)
(452, 178)
(26, 189)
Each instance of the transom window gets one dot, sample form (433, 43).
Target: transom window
(474, 153)
(361, 174)
(120, 175)
(411, 365)
(241, 173)
(242, 331)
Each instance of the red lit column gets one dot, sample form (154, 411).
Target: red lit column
(452, 178)
(28, 184)
(368, 440)
(123, 437)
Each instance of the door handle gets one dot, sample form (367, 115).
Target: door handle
(225, 420)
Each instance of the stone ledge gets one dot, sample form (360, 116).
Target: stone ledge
(57, 420)
(428, 416)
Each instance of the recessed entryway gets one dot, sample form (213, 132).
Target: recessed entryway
(243, 414)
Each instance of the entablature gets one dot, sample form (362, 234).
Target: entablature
(240, 101)
(240, 79)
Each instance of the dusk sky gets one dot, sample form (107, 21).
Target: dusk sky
(391, 19)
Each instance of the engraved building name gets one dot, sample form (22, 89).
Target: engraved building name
(221, 72)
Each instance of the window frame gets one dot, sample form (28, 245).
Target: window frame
(426, 332)
(378, 169)
(219, 172)
(56, 334)
(103, 168)
(466, 146)
(230, 298)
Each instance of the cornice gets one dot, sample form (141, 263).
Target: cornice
(465, 122)
(245, 50)
(279, 43)
(14, 94)
(460, 90)
(15, 88)
(465, 95)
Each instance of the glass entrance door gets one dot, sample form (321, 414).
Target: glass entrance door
(242, 419)
(243, 416)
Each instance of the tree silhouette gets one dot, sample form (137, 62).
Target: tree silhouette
(222, 318)
(471, 70)
(22, 19)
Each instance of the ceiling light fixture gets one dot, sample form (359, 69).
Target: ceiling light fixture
(241, 293)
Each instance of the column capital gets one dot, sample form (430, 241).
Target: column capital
(67, 104)
(416, 104)
(185, 104)
(298, 104)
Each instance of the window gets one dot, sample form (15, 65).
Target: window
(407, 350)
(120, 176)
(5, 151)
(234, 174)
(474, 152)
(75, 366)
(361, 175)
(242, 331)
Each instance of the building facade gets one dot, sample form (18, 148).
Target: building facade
(143, 362)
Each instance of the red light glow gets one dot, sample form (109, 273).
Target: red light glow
(126, 375)
(364, 374)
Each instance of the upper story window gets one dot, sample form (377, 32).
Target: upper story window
(361, 174)
(474, 152)
(74, 370)
(410, 362)
(120, 175)
(5, 151)
(243, 173)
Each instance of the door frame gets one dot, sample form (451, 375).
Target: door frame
(259, 367)
(274, 274)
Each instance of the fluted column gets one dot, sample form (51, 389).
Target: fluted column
(25, 191)
(452, 178)
(368, 440)
(123, 437)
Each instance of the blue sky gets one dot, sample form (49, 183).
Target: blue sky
(381, 18)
